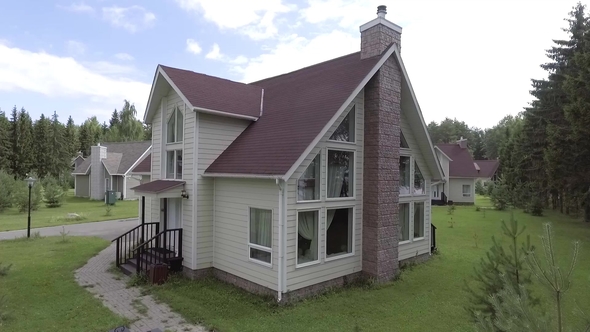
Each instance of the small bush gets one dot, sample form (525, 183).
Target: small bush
(108, 210)
(479, 188)
(500, 197)
(20, 196)
(477, 208)
(64, 235)
(490, 185)
(53, 194)
(536, 206)
(7, 185)
(451, 210)
(4, 269)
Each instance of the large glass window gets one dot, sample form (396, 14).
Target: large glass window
(404, 222)
(404, 175)
(307, 236)
(174, 127)
(308, 185)
(339, 231)
(174, 164)
(340, 174)
(466, 190)
(419, 188)
(345, 131)
(260, 242)
(419, 219)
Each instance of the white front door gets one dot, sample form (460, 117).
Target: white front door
(174, 213)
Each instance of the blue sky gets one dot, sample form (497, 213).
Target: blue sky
(467, 59)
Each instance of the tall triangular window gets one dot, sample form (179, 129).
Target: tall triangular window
(345, 131)
(174, 127)
(402, 141)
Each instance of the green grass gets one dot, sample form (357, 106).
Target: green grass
(428, 297)
(89, 211)
(41, 292)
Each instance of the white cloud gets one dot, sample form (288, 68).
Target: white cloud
(75, 47)
(192, 46)
(79, 7)
(253, 18)
(101, 85)
(215, 53)
(132, 19)
(124, 56)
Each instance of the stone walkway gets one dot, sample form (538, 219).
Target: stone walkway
(142, 310)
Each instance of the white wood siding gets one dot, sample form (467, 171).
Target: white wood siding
(188, 175)
(418, 247)
(215, 133)
(310, 275)
(233, 199)
(154, 203)
(456, 190)
(82, 185)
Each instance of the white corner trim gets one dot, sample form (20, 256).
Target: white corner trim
(160, 71)
(415, 101)
(344, 106)
(381, 20)
(222, 113)
(261, 102)
(149, 103)
(143, 155)
(444, 154)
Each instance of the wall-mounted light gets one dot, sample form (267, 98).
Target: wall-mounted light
(183, 194)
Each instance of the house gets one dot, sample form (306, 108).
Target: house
(460, 173)
(291, 184)
(488, 170)
(77, 160)
(109, 168)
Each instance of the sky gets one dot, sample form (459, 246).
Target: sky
(470, 60)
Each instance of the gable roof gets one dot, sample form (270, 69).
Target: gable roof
(144, 166)
(121, 156)
(206, 93)
(487, 167)
(461, 163)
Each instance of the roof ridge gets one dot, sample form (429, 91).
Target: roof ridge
(198, 73)
(300, 69)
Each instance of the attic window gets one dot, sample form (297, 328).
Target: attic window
(402, 141)
(345, 131)
(174, 126)
(419, 188)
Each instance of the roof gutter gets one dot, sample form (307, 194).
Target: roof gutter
(230, 115)
(281, 275)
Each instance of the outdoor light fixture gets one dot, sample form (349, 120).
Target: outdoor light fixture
(183, 194)
(30, 182)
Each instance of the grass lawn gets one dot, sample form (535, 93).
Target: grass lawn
(40, 291)
(90, 211)
(428, 297)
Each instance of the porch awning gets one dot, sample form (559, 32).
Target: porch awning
(160, 188)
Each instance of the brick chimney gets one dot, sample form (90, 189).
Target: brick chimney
(381, 156)
(378, 34)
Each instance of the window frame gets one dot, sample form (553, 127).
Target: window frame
(352, 242)
(257, 246)
(411, 184)
(414, 239)
(463, 190)
(319, 260)
(326, 163)
(175, 166)
(319, 179)
(413, 163)
(410, 227)
(174, 116)
(353, 142)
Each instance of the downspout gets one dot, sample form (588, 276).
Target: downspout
(281, 267)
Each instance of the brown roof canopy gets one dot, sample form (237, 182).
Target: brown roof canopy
(158, 186)
(297, 106)
(462, 162)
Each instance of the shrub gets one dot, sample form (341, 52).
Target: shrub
(20, 196)
(451, 209)
(477, 208)
(536, 206)
(490, 185)
(7, 185)
(500, 197)
(479, 188)
(53, 194)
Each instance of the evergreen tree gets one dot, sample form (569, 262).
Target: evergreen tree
(59, 161)
(127, 127)
(114, 121)
(71, 137)
(42, 146)
(21, 131)
(5, 148)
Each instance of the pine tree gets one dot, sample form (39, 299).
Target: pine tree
(21, 156)
(4, 142)
(60, 157)
(71, 137)
(42, 146)
(114, 121)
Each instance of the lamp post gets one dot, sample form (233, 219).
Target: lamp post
(30, 181)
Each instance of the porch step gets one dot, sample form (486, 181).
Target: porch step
(148, 257)
(127, 269)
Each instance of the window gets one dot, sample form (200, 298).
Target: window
(345, 131)
(404, 175)
(339, 232)
(402, 141)
(260, 243)
(174, 127)
(340, 174)
(419, 188)
(404, 222)
(466, 190)
(308, 186)
(307, 237)
(418, 219)
(174, 164)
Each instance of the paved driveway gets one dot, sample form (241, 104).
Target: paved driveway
(105, 229)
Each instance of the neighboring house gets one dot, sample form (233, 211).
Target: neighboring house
(76, 161)
(291, 184)
(109, 168)
(460, 173)
(488, 170)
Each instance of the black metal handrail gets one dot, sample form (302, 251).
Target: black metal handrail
(433, 238)
(135, 236)
(161, 248)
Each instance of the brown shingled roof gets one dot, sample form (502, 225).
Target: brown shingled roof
(462, 162)
(297, 106)
(158, 186)
(145, 166)
(487, 167)
(216, 93)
